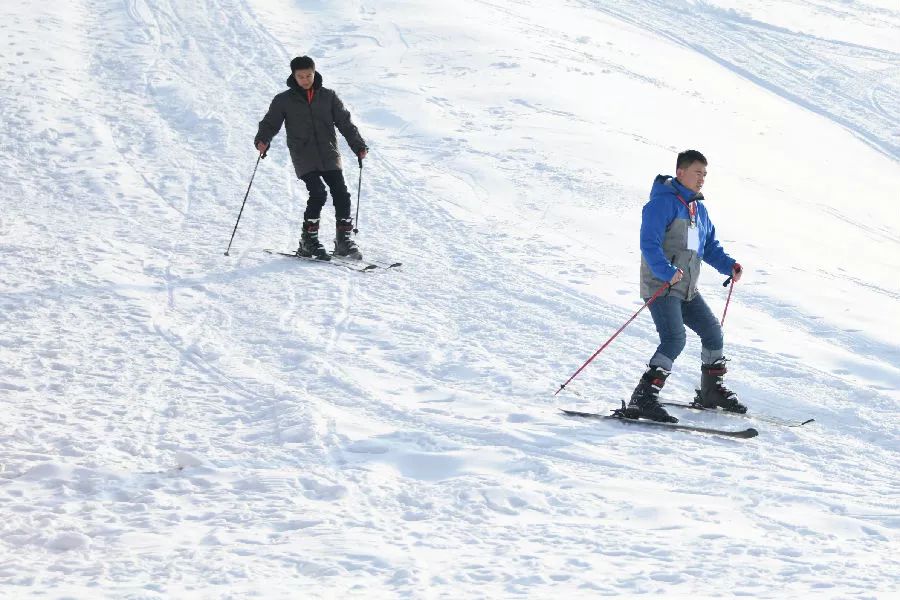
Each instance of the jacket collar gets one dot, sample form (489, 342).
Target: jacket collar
(667, 182)
(292, 83)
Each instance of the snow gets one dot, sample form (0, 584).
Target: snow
(182, 424)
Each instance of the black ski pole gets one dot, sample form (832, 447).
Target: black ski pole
(243, 203)
(358, 192)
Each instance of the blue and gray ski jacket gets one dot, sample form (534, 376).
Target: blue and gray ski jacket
(667, 227)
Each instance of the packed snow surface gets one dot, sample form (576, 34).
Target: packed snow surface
(182, 424)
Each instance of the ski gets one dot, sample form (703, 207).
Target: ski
(383, 263)
(758, 417)
(365, 264)
(368, 262)
(359, 264)
(741, 434)
(353, 265)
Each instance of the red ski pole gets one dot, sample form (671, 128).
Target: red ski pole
(736, 269)
(581, 368)
(731, 289)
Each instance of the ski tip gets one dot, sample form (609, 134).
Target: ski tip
(750, 432)
(577, 413)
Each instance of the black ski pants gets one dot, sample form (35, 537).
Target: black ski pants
(317, 194)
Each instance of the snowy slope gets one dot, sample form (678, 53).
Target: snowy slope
(181, 424)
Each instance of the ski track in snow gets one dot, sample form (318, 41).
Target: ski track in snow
(853, 85)
(184, 424)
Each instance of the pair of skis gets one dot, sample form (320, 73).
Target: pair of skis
(343, 261)
(747, 433)
(750, 432)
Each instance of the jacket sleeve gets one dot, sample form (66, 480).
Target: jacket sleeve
(658, 213)
(714, 255)
(271, 123)
(345, 125)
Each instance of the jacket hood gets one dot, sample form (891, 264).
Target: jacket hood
(292, 83)
(668, 185)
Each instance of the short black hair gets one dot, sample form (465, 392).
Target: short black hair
(301, 63)
(689, 157)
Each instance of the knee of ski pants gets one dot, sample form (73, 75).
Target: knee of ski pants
(672, 343)
(315, 186)
(713, 342)
(667, 317)
(700, 319)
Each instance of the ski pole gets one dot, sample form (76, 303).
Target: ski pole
(731, 289)
(646, 304)
(358, 191)
(261, 155)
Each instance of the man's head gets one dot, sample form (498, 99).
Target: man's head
(303, 68)
(690, 169)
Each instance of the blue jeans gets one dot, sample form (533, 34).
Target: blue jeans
(670, 315)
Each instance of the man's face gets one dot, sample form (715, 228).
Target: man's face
(692, 177)
(305, 78)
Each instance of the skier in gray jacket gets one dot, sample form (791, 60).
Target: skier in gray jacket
(310, 114)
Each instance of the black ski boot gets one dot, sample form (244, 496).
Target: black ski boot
(310, 246)
(713, 393)
(343, 243)
(645, 398)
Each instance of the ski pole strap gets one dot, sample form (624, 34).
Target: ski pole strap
(622, 328)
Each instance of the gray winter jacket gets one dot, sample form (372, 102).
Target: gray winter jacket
(309, 126)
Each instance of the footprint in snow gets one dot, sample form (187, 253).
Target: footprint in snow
(367, 447)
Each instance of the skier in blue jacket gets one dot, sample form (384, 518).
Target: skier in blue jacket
(676, 235)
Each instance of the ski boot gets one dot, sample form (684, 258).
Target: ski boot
(310, 246)
(713, 393)
(644, 402)
(344, 245)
